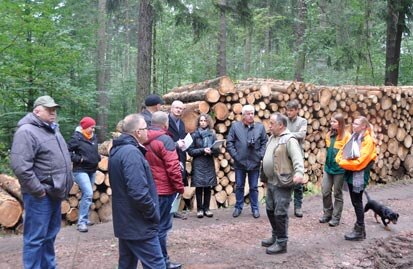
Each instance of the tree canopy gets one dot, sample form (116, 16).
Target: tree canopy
(52, 47)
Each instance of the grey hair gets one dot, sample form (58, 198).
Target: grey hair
(131, 123)
(247, 108)
(176, 103)
(159, 118)
(280, 118)
(293, 104)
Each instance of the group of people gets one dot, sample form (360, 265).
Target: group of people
(147, 173)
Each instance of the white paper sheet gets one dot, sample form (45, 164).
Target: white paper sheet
(187, 141)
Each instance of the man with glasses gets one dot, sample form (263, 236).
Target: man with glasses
(41, 161)
(135, 205)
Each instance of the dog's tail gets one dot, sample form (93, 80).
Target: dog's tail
(367, 195)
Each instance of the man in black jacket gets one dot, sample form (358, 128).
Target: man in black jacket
(246, 143)
(176, 129)
(135, 204)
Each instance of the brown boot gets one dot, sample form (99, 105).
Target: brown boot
(358, 233)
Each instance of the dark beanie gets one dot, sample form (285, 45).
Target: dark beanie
(87, 122)
(153, 100)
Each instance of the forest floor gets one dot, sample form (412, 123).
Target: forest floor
(226, 242)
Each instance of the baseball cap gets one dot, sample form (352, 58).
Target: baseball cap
(45, 101)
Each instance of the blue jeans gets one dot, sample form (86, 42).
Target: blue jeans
(85, 182)
(165, 224)
(42, 217)
(240, 176)
(147, 251)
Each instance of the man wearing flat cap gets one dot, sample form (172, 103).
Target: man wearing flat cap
(41, 161)
(153, 103)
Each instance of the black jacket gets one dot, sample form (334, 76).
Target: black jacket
(177, 134)
(135, 205)
(83, 152)
(246, 145)
(203, 167)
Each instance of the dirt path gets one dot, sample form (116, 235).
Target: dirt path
(225, 242)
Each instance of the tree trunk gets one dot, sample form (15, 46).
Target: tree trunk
(395, 23)
(102, 115)
(143, 71)
(299, 37)
(222, 42)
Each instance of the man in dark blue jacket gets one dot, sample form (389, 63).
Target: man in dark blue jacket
(246, 143)
(135, 205)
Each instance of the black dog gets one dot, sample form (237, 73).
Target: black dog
(386, 214)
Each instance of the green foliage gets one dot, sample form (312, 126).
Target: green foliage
(311, 189)
(49, 47)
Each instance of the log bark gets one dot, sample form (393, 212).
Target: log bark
(11, 185)
(10, 209)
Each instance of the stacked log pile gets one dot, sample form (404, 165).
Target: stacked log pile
(101, 208)
(389, 109)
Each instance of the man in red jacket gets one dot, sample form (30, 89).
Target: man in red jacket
(166, 171)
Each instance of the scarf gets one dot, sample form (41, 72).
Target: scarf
(207, 137)
(86, 135)
(358, 176)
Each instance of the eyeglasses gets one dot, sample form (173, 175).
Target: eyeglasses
(142, 129)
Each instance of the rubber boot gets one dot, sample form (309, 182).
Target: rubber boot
(358, 233)
(269, 241)
(277, 248)
(280, 246)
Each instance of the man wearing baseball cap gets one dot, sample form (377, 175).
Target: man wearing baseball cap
(41, 161)
(153, 103)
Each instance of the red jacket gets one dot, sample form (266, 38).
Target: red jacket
(164, 162)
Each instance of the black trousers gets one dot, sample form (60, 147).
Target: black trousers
(357, 201)
(203, 197)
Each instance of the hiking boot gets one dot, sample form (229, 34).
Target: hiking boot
(298, 212)
(256, 214)
(358, 233)
(268, 242)
(334, 222)
(236, 212)
(277, 248)
(324, 219)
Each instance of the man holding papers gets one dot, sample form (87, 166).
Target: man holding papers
(165, 168)
(176, 129)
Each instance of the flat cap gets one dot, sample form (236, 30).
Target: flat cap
(45, 101)
(153, 100)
